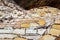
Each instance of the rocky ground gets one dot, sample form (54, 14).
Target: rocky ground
(42, 23)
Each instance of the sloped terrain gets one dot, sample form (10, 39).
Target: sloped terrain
(16, 23)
